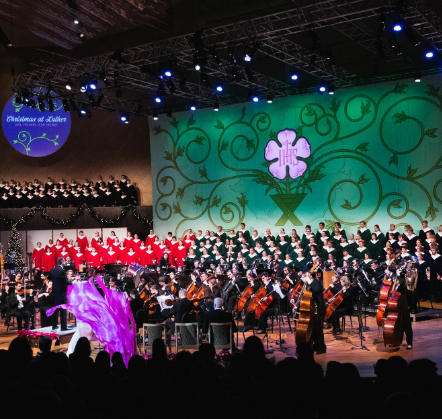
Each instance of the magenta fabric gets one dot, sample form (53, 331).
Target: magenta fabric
(109, 316)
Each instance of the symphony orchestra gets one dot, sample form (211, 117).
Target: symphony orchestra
(257, 277)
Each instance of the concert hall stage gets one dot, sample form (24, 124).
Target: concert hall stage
(427, 343)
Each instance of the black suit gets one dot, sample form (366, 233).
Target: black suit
(21, 313)
(180, 308)
(219, 316)
(59, 288)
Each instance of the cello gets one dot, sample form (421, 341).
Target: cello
(261, 293)
(264, 304)
(384, 294)
(294, 293)
(333, 303)
(242, 300)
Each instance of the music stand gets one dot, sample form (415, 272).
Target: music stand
(362, 293)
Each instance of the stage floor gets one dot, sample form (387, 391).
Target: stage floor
(427, 343)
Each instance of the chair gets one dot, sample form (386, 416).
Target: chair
(187, 336)
(9, 316)
(221, 335)
(152, 332)
(343, 322)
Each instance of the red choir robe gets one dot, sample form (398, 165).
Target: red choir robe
(93, 259)
(136, 243)
(78, 259)
(37, 256)
(57, 250)
(131, 257)
(50, 246)
(95, 243)
(181, 253)
(48, 261)
(187, 243)
(151, 239)
(64, 242)
(112, 256)
(102, 250)
(142, 255)
(150, 256)
(71, 251)
(128, 242)
(64, 255)
(88, 251)
(121, 251)
(112, 240)
(82, 242)
(160, 252)
(167, 241)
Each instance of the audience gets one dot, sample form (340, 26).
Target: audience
(245, 385)
(15, 194)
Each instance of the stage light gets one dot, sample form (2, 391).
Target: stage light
(81, 35)
(294, 77)
(247, 58)
(331, 89)
(155, 117)
(83, 111)
(76, 22)
(216, 105)
(124, 118)
(105, 79)
(83, 88)
(397, 27)
(168, 73)
(192, 107)
(255, 98)
(197, 67)
(322, 88)
(158, 99)
(269, 98)
(92, 85)
(429, 54)
(219, 88)
(417, 77)
(68, 85)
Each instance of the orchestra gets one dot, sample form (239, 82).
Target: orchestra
(256, 278)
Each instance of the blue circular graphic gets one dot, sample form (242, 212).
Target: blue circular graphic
(35, 133)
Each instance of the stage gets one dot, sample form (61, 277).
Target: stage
(427, 343)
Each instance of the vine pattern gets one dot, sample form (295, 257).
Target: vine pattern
(326, 123)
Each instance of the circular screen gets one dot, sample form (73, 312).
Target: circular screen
(33, 132)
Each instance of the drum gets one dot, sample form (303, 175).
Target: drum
(327, 278)
(136, 271)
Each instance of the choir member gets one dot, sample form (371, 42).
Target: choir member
(37, 256)
(82, 241)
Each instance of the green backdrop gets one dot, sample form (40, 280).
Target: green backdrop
(368, 153)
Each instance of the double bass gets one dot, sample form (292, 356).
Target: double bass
(304, 316)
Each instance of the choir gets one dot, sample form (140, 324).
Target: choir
(63, 195)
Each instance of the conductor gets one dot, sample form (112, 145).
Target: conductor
(59, 287)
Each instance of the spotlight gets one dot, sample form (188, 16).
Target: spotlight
(269, 98)
(294, 76)
(81, 35)
(251, 51)
(429, 54)
(322, 88)
(158, 99)
(168, 73)
(92, 85)
(417, 77)
(197, 67)
(83, 88)
(124, 118)
(51, 105)
(68, 85)
(331, 89)
(155, 117)
(397, 27)
(255, 98)
(83, 111)
(216, 105)
(41, 104)
(76, 22)
(247, 58)
(219, 88)
(65, 103)
(192, 107)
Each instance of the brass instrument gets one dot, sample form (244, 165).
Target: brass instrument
(411, 279)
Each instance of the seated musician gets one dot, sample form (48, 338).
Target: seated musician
(346, 306)
(219, 315)
(232, 289)
(211, 291)
(45, 302)
(180, 308)
(16, 304)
